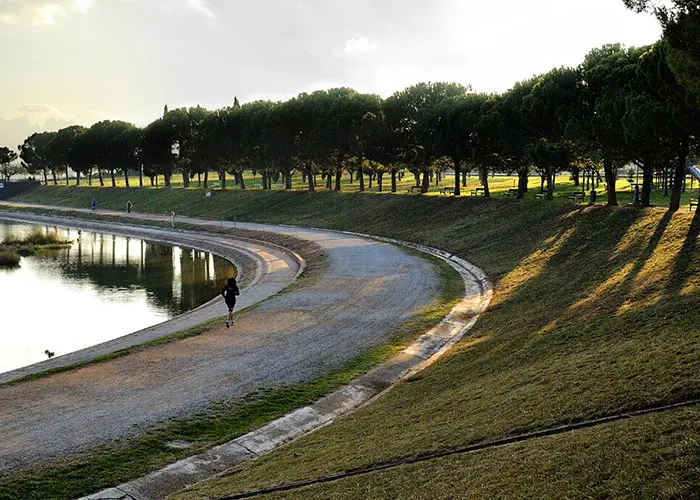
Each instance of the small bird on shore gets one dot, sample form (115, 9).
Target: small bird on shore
(49, 353)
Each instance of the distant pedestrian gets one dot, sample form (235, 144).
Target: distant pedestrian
(94, 203)
(229, 293)
(172, 218)
(128, 206)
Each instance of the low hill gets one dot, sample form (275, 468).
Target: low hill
(595, 313)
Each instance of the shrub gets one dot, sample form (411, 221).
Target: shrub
(9, 258)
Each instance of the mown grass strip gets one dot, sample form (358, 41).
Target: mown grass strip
(424, 457)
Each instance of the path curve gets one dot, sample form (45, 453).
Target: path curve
(427, 349)
(369, 288)
(264, 270)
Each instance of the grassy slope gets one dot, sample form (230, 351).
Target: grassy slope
(595, 312)
(497, 185)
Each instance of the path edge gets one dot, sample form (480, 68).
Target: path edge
(423, 352)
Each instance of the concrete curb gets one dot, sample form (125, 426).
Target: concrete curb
(428, 348)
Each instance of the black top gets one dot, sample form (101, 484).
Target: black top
(229, 293)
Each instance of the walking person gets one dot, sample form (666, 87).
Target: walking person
(229, 292)
(94, 203)
(128, 206)
(172, 218)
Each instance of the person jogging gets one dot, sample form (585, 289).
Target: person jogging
(229, 293)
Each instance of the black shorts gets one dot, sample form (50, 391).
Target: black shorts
(230, 306)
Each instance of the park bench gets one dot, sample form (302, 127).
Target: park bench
(540, 196)
(576, 196)
(414, 189)
(693, 203)
(447, 190)
(511, 192)
(478, 191)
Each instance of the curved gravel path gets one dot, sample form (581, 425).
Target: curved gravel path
(370, 287)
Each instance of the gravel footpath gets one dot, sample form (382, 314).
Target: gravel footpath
(369, 288)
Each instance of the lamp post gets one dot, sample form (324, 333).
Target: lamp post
(175, 151)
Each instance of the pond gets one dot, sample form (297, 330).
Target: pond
(100, 288)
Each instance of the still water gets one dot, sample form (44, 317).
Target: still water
(101, 288)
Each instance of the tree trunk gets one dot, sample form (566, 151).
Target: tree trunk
(338, 176)
(53, 172)
(66, 175)
(575, 175)
(380, 175)
(206, 179)
(310, 181)
(241, 181)
(678, 176)
(46, 180)
(484, 174)
(287, 179)
(77, 177)
(647, 183)
(99, 175)
(185, 178)
(522, 182)
(361, 178)
(393, 180)
(464, 179)
(609, 168)
(126, 177)
(426, 181)
(114, 180)
(90, 177)
(458, 172)
(550, 184)
(140, 175)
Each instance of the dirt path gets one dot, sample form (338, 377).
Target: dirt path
(369, 288)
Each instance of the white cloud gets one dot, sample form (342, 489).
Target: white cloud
(38, 114)
(201, 6)
(40, 11)
(359, 45)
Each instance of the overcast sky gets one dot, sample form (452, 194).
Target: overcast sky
(82, 61)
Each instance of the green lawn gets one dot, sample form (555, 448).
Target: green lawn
(498, 184)
(594, 313)
(654, 456)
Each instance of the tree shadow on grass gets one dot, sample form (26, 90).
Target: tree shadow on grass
(684, 259)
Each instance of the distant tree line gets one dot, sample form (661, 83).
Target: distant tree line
(620, 106)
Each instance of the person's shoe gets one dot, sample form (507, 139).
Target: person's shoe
(233, 321)
(227, 324)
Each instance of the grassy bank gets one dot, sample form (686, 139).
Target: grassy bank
(594, 312)
(498, 184)
(12, 249)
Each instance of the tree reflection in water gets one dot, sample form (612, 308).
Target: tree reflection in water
(137, 284)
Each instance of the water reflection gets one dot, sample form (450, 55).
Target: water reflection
(102, 287)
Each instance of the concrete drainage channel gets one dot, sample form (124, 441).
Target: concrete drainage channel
(424, 351)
